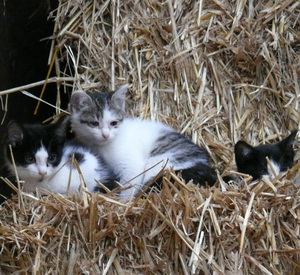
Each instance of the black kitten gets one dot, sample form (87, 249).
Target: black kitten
(252, 160)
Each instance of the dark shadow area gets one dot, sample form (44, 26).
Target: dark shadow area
(24, 53)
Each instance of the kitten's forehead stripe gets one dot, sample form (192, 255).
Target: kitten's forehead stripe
(100, 100)
(103, 101)
(41, 156)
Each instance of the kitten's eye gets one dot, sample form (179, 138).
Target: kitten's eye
(30, 159)
(52, 158)
(114, 123)
(94, 123)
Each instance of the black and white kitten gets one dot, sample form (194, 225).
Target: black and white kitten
(136, 149)
(252, 160)
(44, 159)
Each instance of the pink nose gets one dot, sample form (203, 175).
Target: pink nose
(42, 173)
(105, 136)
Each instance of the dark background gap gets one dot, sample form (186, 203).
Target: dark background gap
(24, 56)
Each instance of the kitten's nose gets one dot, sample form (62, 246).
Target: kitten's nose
(43, 173)
(105, 136)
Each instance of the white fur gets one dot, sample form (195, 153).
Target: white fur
(275, 167)
(65, 178)
(128, 150)
(41, 161)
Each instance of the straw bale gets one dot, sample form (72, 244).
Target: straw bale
(217, 71)
(180, 230)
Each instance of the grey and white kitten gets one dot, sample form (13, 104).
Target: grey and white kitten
(44, 159)
(136, 149)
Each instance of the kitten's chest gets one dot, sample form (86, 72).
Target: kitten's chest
(127, 149)
(274, 168)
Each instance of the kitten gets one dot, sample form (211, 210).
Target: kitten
(252, 160)
(43, 159)
(137, 149)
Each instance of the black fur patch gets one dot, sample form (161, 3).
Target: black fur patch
(79, 157)
(252, 160)
(200, 175)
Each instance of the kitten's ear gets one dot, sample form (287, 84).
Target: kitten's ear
(79, 101)
(242, 149)
(14, 133)
(119, 96)
(289, 141)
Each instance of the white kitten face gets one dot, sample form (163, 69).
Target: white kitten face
(95, 117)
(109, 126)
(39, 167)
(97, 131)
